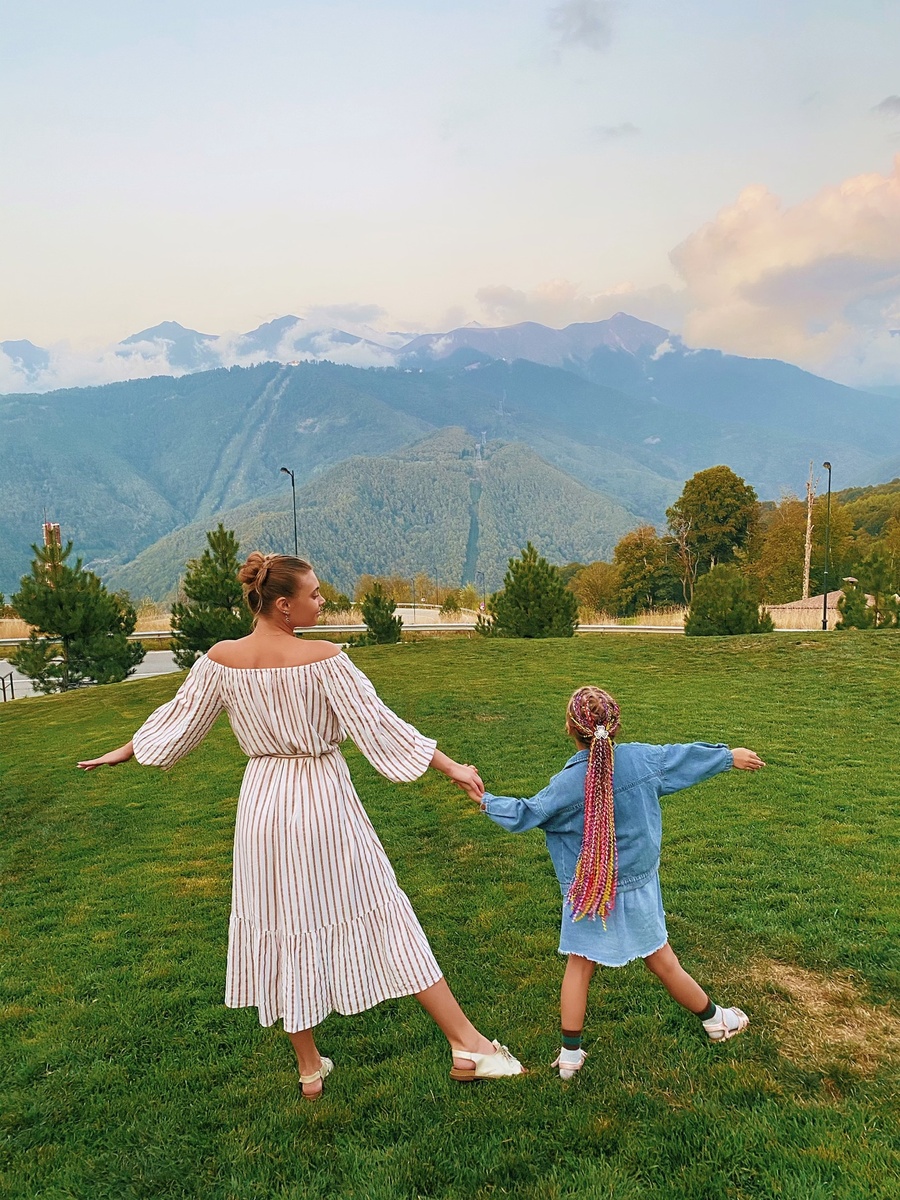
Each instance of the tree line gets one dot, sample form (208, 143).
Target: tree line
(724, 556)
(755, 550)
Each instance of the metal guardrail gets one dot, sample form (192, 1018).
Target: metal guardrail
(157, 635)
(7, 683)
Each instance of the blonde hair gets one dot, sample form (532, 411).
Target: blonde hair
(265, 577)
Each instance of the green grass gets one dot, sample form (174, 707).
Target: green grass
(123, 1076)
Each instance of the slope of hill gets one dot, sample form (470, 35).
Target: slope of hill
(446, 506)
(122, 465)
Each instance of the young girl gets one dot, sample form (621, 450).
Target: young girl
(604, 830)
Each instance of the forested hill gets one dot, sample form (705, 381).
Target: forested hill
(438, 507)
(123, 465)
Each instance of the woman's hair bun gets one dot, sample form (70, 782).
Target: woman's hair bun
(253, 573)
(267, 576)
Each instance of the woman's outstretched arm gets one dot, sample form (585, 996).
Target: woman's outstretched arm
(464, 775)
(112, 759)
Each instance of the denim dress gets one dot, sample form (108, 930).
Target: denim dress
(636, 927)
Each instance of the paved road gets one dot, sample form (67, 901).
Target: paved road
(156, 662)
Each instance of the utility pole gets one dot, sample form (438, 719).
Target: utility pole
(807, 554)
(827, 466)
(285, 471)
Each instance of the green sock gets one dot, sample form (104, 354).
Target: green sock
(709, 1012)
(571, 1039)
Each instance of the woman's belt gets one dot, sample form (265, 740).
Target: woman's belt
(321, 754)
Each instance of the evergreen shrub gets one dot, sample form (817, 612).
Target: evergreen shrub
(725, 602)
(534, 602)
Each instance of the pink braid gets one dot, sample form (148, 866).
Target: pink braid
(594, 716)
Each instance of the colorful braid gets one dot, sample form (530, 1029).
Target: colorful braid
(594, 716)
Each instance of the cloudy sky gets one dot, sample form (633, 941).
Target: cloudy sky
(728, 170)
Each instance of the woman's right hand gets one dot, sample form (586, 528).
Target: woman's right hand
(112, 759)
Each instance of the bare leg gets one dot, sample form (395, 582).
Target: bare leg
(440, 1004)
(681, 987)
(574, 993)
(308, 1059)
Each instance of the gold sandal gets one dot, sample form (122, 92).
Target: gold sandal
(326, 1068)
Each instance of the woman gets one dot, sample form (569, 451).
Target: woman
(318, 921)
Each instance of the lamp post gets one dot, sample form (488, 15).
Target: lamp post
(285, 471)
(827, 466)
(479, 583)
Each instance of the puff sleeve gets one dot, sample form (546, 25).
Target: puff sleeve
(395, 749)
(174, 729)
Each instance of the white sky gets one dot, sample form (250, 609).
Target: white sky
(220, 164)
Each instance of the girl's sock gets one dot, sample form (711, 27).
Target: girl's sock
(571, 1039)
(709, 1012)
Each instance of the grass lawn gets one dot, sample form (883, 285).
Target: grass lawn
(121, 1074)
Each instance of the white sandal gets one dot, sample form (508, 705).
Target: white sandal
(568, 1069)
(486, 1066)
(326, 1068)
(722, 1030)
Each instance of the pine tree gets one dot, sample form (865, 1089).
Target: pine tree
(875, 583)
(854, 608)
(79, 629)
(214, 609)
(378, 614)
(725, 602)
(534, 602)
(876, 577)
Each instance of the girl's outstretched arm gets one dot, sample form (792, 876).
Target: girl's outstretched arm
(746, 760)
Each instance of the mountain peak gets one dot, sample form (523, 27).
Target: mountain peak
(166, 331)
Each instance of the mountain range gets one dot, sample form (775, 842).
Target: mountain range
(591, 430)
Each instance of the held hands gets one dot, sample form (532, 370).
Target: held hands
(112, 759)
(746, 760)
(467, 777)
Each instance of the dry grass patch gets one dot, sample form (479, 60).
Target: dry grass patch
(12, 627)
(819, 1017)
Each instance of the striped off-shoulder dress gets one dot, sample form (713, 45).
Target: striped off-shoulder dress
(318, 920)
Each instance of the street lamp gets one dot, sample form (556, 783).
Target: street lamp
(285, 471)
(479, 583)
(827, 466)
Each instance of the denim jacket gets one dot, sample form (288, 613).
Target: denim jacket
(641, 775)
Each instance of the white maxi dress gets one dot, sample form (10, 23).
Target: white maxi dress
(318, 920)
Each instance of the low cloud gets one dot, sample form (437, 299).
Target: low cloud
(68, 368)
(889, 107)
(586, 23)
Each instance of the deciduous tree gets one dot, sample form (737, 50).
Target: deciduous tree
(714, 516)
(597, 586)
(648, 571)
